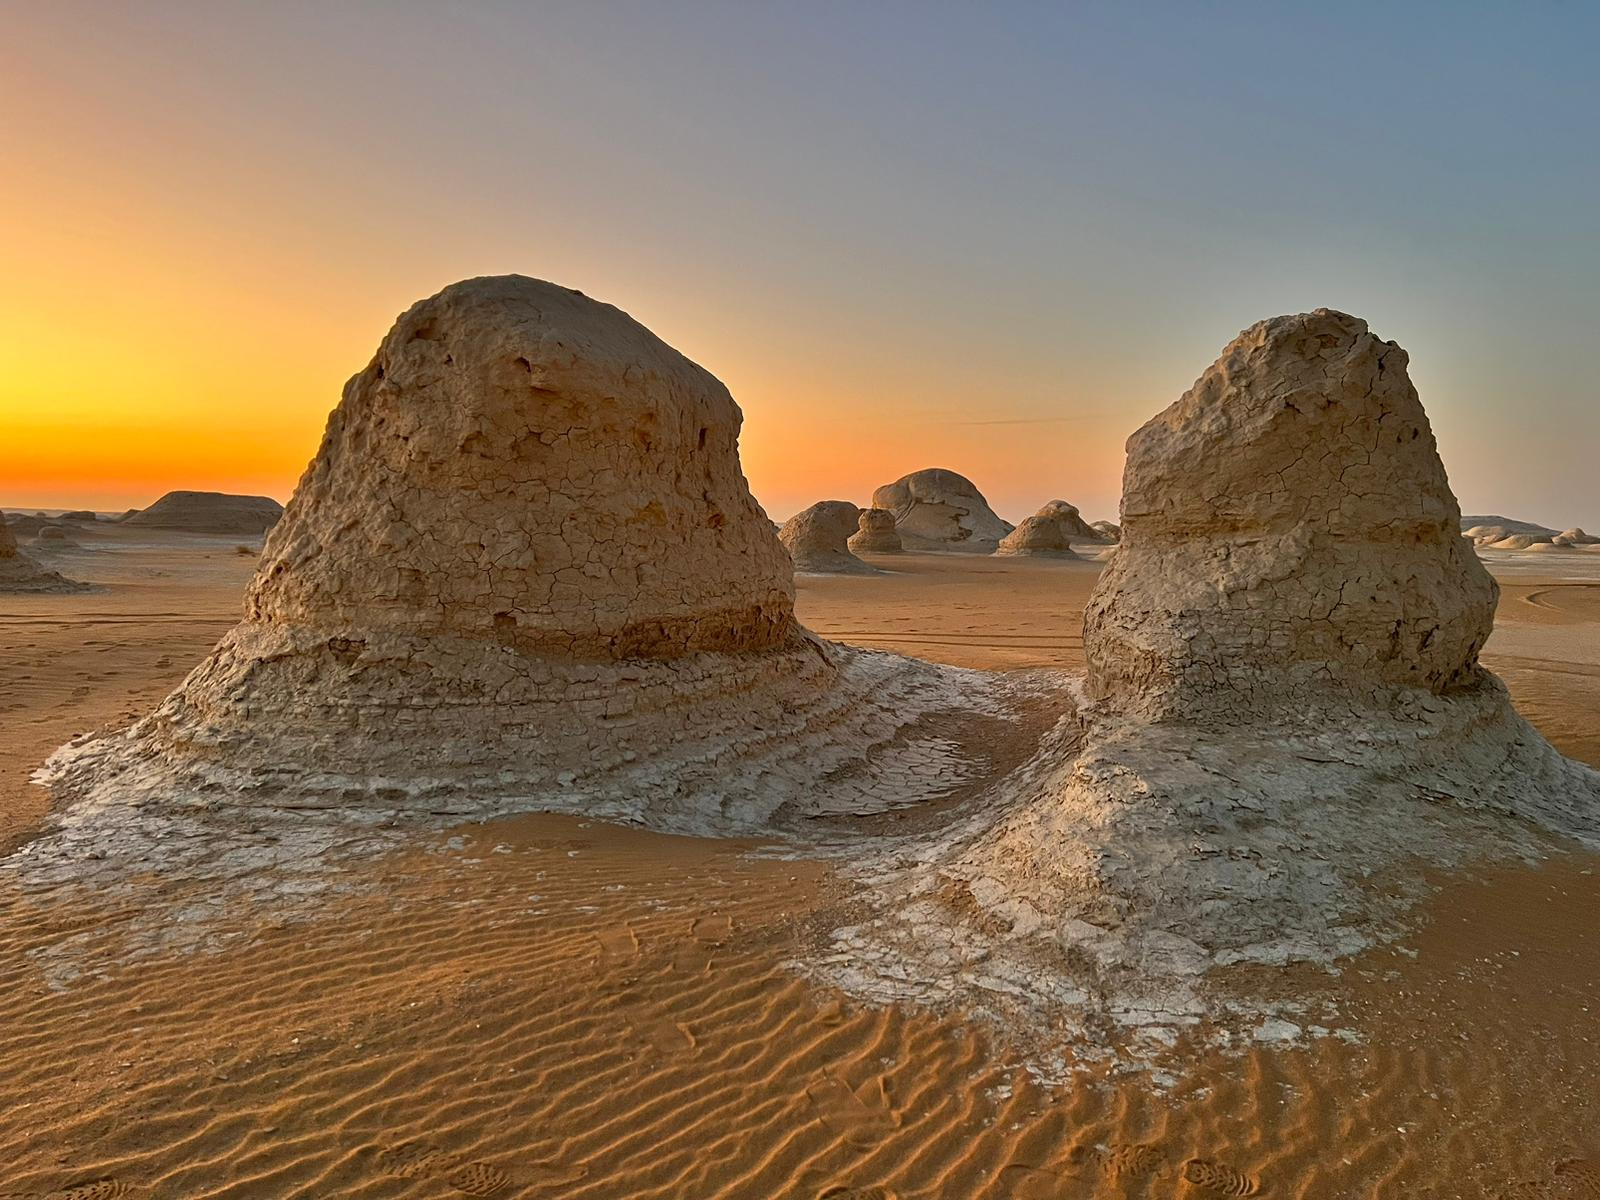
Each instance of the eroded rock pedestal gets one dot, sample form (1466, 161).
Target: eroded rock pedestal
(876, 533)
(524, 569)
(1289, 723)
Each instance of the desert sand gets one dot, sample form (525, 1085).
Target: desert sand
(552, 1007)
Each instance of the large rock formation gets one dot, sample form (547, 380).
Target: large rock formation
(1042, 535)
(940, 510)
(818, 539)
(1343, 580)
(208, 512)
(525, 570)
(20, 573)
(876, 533)
(1289, 719)
(1109, 531)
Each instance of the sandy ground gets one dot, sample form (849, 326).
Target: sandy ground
(546, 1007)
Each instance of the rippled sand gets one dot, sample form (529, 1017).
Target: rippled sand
(546, 1007)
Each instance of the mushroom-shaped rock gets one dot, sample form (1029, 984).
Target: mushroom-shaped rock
(1071, 521)
(1039, 536)
(818, 539)
(1287, 702)
(524, 570)
(20, 573)
(1345, 579)
(876, 533)
(940, 510)
(208, 512)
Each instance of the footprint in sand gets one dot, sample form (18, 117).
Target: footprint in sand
(1219, 1178)
(1020, 1181)
(713, 930)
(669, 1037)
(418, 1160)
(863, 1117)
(100, 1189)
(479, 1179)
(1127, 1160)
(619, 945)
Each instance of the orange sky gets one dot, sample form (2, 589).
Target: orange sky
(981, 248)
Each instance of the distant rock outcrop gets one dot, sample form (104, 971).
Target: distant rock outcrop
(1072, 524)
(1109, 531)
(20, 573)
(1043, 535)
(876, 533)
(937, 509)
(209, 512)
(818, 539)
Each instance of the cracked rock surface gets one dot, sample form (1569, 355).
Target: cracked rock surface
(818, 539)
(937, 509)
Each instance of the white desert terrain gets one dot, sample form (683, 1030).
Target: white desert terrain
(862, 881)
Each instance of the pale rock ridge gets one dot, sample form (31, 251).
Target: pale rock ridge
(818, 539)
(208, 512)
(876, 533)
(20, 573)
(524, 570)
(935, 509)
(1109, 531)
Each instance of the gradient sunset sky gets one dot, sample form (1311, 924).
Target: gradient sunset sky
(994, 238)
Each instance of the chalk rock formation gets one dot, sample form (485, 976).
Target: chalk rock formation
(56, 537)
(82, 514)
(1109, 531)
(1071, 521)
(209, 512)
(1575, 537)
(940, 510)
(20, 573)
(818, 539)
(1345, 580)
(524, 570)
(1039, 536)
(1283, 653)
(876, 534)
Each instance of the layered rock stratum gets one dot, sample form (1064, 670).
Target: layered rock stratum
(524, 570)
(818, 539)
(935, 509)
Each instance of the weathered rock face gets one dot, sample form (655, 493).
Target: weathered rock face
(1071, 521)
(1288, 532)
(818, 539)
(940, 510)
(876, 533)
(208, 512)
(1109, 531)
(525, 563)
(20, 573)
(527, 464)
(1040, 536)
